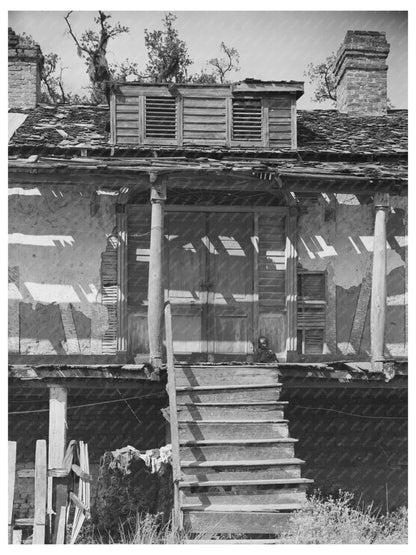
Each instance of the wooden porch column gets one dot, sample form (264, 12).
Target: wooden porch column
(155, 292)
(57, 492)
(291, 282)
(378, 285)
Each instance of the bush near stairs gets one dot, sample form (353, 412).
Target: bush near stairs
(121, 495)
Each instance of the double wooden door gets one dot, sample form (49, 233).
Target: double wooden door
(210, 276)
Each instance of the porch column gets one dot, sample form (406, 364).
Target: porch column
(378, 285)
(155, 293)
(57, 488)
(291, 282)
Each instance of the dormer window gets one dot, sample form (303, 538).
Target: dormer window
(250, 113)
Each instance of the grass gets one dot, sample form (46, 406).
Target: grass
(323, 520)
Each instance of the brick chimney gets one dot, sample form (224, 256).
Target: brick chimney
(25, 65)
(361, 74)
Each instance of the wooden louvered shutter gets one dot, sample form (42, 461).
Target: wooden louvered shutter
(311, 312)
(160, 117)
(109, 295)
(247, 119)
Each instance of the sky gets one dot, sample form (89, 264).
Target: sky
(274, 45)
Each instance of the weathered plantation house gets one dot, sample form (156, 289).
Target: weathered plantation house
(258, 220)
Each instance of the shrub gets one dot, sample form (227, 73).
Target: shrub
(335, 520)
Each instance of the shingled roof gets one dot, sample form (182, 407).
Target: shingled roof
(319, 131)
(328, 129)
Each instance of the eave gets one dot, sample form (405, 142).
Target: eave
(256, 174)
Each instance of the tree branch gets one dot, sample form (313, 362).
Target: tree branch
(104, 36)
(61, 86)
(84, 48)
(328, 86)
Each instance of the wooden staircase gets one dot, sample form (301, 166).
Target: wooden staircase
(238, 472)
(234, 466)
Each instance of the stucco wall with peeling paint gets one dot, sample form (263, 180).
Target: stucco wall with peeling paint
(336, 234)
(56, 237)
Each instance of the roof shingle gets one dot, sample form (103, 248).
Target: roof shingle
(319, 132)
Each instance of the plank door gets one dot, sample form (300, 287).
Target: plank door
(185, 254)
(230, 285)
(210, 280)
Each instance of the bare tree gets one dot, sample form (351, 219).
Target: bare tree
(92, 47)
(52, 79)
(228, 63)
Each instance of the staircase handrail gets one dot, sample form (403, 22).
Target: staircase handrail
(174, 431)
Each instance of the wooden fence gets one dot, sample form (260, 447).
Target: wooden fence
(52, 487)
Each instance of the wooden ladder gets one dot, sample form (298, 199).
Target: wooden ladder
(234, 466)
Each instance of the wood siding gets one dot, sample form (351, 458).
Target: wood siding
(204, 120)
(280, 122)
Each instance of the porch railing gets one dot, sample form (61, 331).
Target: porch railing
(171, 388)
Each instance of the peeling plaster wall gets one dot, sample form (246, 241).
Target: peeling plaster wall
(336, 234)
(57, 234)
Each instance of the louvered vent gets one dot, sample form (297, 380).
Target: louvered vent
(109, 295)
(311, 313)
(160, 117)
(247, 119)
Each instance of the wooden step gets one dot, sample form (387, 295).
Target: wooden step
(212, 471)
(264, 472)
(263, 494)
(233, 429)
(257, 541)
(236, 520)
(258, 507)
(207, 471)
(234, 450)
(225, 375)
(228, 394)
(271, 410)
(242, 463)
(248, 482)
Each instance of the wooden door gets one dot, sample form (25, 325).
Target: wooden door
(186, 259)
(230, 285)
(210, 278)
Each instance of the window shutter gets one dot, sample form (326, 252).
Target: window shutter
(160, 117)
(247, 119)
(311, 317)
(314, 340)
(311, 287)
(311, 313)
(109, 295)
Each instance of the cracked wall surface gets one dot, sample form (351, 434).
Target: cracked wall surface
(336, 234)
(57, 234)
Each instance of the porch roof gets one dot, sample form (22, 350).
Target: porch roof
(291, 174)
